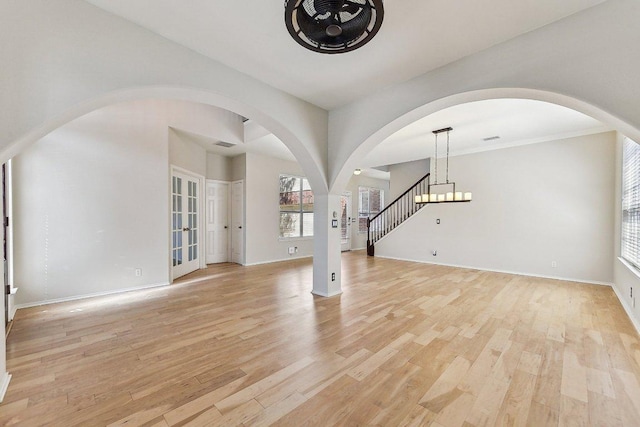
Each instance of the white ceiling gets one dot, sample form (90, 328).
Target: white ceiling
(516, 121)
(416, 36)
(266, 144)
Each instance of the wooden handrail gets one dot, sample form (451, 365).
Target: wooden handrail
(387, 219)
(402, 195)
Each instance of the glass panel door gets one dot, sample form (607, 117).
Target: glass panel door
(185, 224)
(345, 221)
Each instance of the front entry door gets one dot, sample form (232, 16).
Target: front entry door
(185, 217)
(345, 221)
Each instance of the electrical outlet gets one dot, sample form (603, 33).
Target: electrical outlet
(554, 264)
(292, 250)
(438, 221)
(333, 277)
(138, 272)
(631, 292)
(434, 253)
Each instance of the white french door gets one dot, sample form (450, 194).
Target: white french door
(217, 222)
(345, 221)
(237, 222)
(185, 223)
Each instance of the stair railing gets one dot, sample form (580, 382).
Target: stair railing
(398, 211)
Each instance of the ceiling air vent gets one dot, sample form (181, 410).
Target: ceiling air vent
(224, 144)
(491, 138)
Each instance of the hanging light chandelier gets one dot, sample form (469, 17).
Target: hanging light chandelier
(433, 196)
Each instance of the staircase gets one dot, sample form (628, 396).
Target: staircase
(395, 213)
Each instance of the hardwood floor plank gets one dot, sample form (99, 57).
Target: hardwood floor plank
(405, 344)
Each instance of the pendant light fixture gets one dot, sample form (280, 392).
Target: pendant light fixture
(433, 196)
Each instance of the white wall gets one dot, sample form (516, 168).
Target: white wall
(532, 205)
(219, 167)
(624, 276)
(239, 167)
(262, 189)
(72, 58)
(187, 154)
(91, 205)
(548, 64)
(405, 175)
(359, 240)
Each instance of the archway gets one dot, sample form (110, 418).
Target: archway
(308, 163)
(410, 116)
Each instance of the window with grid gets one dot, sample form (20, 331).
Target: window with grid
(370, 203)
(631, 202)
(296, 207)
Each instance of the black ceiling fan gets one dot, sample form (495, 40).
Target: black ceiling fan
(333, 26)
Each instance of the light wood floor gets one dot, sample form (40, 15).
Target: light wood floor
(405, 344)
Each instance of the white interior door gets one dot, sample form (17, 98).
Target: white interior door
(345, 221)
(237, 222)
(217, 222)
(185, 217)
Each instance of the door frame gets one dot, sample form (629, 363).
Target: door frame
(218, 181)
(243, 254)
(201, 223)
(348, 194)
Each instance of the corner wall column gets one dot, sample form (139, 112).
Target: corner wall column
(326, 246)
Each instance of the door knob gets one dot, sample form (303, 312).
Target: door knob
(226, 227)
(240, 226)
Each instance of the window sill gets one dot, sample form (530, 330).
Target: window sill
(630, 267)
(294, 239)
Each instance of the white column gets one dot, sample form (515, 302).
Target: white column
(4, 375)
(326, 245)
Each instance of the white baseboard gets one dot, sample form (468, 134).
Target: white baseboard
(277, 260)
(326, 295)
(97, 294)
(517, 273)
(629, 310)
(4, 385)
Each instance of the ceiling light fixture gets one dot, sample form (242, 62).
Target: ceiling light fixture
(357, 171)
(449, 197)
(333, 26)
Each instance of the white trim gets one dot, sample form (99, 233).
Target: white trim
(277, 260)
(97, 294)
(326, 295)
(630, 266)
(204, 217)
(217, 181)
(625, 305)
(202, 183)
(294, 239)
(243, 220)
(4, 386)
(517, 273)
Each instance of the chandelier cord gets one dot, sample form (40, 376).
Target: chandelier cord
(436, 158)
(448, 157)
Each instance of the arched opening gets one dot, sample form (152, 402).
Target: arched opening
(538, 203)
(116, 238)
(293, 142)
(373, 139)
